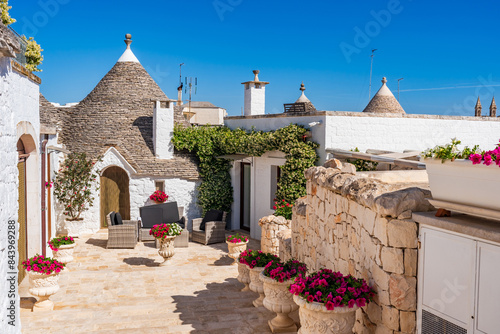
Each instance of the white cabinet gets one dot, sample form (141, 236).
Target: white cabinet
(458, 283)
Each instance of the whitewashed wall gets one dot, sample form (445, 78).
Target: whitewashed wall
(18, 103)
(140, 188)
(418, 132)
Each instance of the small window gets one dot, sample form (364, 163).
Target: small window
(275, 178)
(160, 185)
(257, 86)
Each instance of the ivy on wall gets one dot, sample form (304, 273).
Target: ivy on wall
(208, 143)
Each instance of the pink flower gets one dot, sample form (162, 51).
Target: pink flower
(351, 303)
(487, 159)
(329, 306)
(310, 298)
(340, 291)
(361, 302)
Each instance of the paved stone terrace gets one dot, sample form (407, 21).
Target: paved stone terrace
(125, 291)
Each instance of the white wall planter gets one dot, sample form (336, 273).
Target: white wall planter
(461, 182)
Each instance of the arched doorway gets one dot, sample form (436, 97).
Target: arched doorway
(115, 195)
(22, 243)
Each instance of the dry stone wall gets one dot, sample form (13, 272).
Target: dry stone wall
(271, 226)
(363, 227)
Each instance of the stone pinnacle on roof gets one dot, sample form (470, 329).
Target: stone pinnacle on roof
(303, 99)
(256, 72)
(128, 55)
(478, 107)
(384, 101)
(493, 108)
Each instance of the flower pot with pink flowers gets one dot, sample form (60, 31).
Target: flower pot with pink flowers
(166, 234)
(276, 278)
(62, 248)
(236, 244)
(464, 179)
(328, 301)
(256, 261)
(43, 275)
(158, 197)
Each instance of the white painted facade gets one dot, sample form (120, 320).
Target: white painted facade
(163, 130)
(140, 188)
(205, 116)
(255, 96)
(348, 130)
(19, 118)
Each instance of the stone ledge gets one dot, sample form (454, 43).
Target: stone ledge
(23, 71)
(389, 200)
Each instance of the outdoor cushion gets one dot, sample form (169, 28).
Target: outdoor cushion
(211, 216)
(112, 217)
(159, 213)
(118, 219)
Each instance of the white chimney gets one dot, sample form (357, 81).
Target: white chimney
(255, 96)
(163, 130)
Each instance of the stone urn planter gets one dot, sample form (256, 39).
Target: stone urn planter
(64, 254)
(167, 249)
(280, 301)
(315, 318)
(43, 286)
(256, 285)
(244, 275)
(235, 249)
(461, 186)
(73, 227)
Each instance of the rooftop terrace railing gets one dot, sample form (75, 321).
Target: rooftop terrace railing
(20, 57)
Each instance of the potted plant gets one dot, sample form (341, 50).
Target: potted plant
(464, 179)
(62, 248)
(166, 234)
(158, 197)
(276, 278)
(283, 209)
(236, 244)
(256, 261)
(73, 189)
(43, 275)
(328, 301)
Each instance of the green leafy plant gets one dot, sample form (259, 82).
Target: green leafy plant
(283, 209)
(451, 151)
(237, 238)
(4, 7)
(33, 55)
(73, 183)
(256, 258)
(362, 165)
(208, 143)
(54, 243)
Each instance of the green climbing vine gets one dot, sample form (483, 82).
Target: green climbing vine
(208, 143)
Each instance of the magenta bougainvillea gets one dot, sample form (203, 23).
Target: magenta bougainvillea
(255, 258)
(332, 289)
(43, 265)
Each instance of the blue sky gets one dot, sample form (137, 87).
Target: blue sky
(326, 44)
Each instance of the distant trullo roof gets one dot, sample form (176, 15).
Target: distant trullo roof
(384, 101)
(303, 99)
(119, 113)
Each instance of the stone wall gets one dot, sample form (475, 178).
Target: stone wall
(363, 227)
(271, 225)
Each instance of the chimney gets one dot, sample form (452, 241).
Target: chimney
(478, 108)
(163, 129)
(255, 96)
(493, 108)
(179, 95)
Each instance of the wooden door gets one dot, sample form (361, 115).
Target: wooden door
(22, 243)
(115, 194)
(245, 196)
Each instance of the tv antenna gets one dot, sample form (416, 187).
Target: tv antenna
(371, 69)
(398, 86)
(189, 84)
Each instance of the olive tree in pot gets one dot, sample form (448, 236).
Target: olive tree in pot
(73, 189)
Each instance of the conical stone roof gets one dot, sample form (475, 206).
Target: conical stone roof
(303, 99)
(119, 113)
(384, 102)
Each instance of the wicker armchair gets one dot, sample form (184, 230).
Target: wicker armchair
(122, 236)
(215, 231)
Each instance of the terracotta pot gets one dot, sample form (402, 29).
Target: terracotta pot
(43, 286)
(316, 319)
(64, 254)
(235, 249)
(167, 249)
(280, 301)
(244, 275)
(256, 285)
